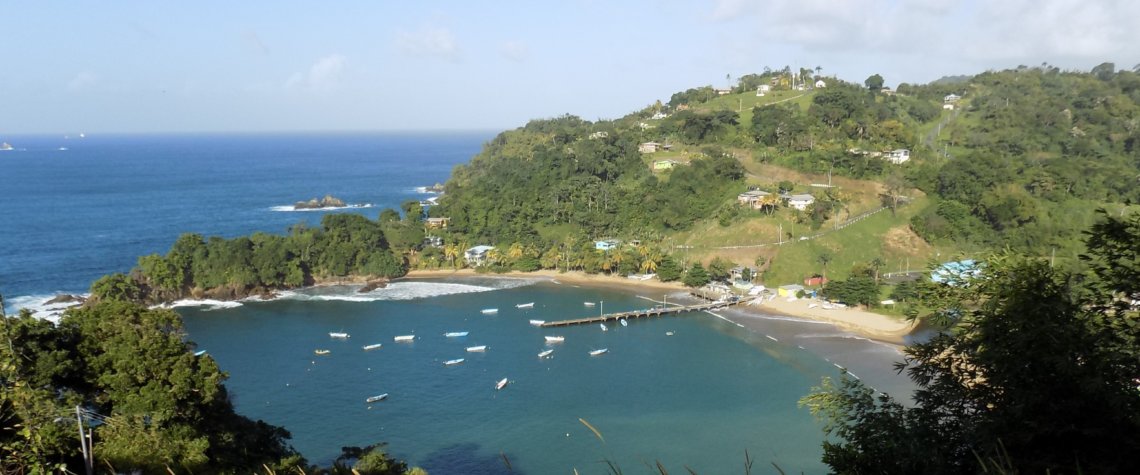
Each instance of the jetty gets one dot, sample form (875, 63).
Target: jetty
(647, 313)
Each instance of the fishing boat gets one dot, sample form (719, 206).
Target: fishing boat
(624, 323)
(604, 327)
(199, 352)
(525, 305)
(555, 339)
(501, 384)
(377, 398)
(488, 311)
(406, 338)
(546, 353)
(473, 349)
(537, 323)
(339, 335)
(599, 352)
(589, 304)
(322, 352)
(668, 333)
(372, 346)
(453, 362)
(455, 334)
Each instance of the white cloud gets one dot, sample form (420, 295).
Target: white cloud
(516, 51)
(82, 81)
(429, 41)
(323, 75)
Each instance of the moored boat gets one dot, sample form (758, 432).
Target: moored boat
(488, 311)
(525, 305)
(339, 335)
(199, 352)
(589, 304)
(501, 384)
(372, 346)
(377, 398)
(321, 352)
(455, 334)
(624, 323)
(406, 338)
(545, 353)
(473, 349)
(599, 352)
(555, 339)
(537, 323)
(604, 327)
(453, 362)
(669, 333)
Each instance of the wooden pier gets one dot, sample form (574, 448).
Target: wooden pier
(646, 313)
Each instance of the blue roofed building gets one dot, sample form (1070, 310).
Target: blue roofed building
(957, 272)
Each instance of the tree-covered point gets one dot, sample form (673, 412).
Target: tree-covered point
(344, 245)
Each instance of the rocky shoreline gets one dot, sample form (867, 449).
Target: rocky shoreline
(327, 202)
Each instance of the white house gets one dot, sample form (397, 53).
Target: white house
(763, 89)
(897, 157)
(648, 147)
(477, 255)
(722, 91)
(659, 115)
(800, 202)
(606, 244)
(948, 106)
(819, 84)
(951, 98)
(753, 199)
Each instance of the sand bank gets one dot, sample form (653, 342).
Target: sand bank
(861, 322)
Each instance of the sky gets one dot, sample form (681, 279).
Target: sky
(261, 66)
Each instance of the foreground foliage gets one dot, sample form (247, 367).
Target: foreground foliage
(1039, 374)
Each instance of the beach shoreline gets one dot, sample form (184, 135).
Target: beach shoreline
(860, 322)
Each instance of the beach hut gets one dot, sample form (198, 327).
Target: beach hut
(790, 290)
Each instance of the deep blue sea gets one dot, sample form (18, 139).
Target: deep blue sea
(700, 398)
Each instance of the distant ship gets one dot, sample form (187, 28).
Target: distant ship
(6, 146)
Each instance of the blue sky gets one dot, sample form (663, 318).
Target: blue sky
(132, 66)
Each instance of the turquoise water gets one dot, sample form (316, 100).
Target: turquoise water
(699, 398)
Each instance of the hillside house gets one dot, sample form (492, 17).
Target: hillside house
(819, 84)
(477, 255)
(956, 273)
(437, 223)
(800, 202)
(815, 281)
(432, 241)
(649, 147)
(763, 89)
(601, 134)
(948, 106)
(722, 91)
(607, 244)
(659, 115)
(897, 157)
(754, 199)
(662, 165)
(886, 91)
(737, 273)
(951, 98)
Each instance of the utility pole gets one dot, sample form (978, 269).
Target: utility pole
(83, 445)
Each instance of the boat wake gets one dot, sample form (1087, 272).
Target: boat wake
(207, 304)
(291, 208)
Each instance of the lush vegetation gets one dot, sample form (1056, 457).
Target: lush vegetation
(1039, 375)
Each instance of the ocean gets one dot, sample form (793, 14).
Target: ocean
(701, 398)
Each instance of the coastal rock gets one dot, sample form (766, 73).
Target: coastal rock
(436, 188)
(327, 202)
(373, 285)
(66, 298)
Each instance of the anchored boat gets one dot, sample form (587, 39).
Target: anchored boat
(372, 346)
(546, 353)
(455, 334)
(474, 349)
(339, 335)
(501, 384)
(555, 339)
(525, 305)
(406, 338)
(453, 362)
(599, 352)
(376, 398)
(321, 352)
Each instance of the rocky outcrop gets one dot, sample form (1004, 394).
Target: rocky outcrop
(327, 202)
(66, 298)
(373, 285)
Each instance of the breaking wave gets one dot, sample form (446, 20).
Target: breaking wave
(39, 306)
(291, 208)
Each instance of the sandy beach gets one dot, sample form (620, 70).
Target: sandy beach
(860, 322)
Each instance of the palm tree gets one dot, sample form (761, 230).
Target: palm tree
(649, 261)
(824, 259)
(451, 251)
(515, 251)
(876, 264)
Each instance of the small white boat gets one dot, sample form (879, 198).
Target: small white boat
(537, 323)
(599, 352)
(668, 333)
(604, 327)
(453, 362)
(406, 338)
(589, 304)
(321, 352)
(488, 311)
(377, 398)
(555, 339)
(624, 323)
(339, 335)
(546, 353)
(372, 346)
(199, 352)
(501, 384)
(473, 349)
(455, 334)
(525, 305)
